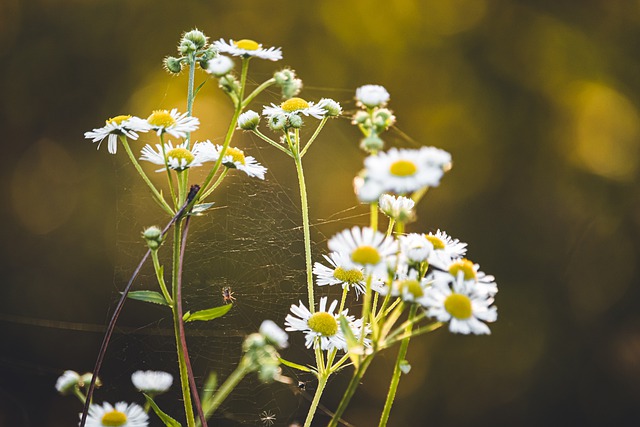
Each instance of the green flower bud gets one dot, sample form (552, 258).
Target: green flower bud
(295, 121)
(360, 118)
(229, 84)
(208, 54)
(372, 144)
(277, 122)
(196, 37)
(186, 47)
(172, 65)
(332, 108)
(153, 237)
(248, 120)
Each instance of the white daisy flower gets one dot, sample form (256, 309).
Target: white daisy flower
(479, 282)
(415, 247)
(178, 158)
(332, 108)
(274, 334)
(364, 248)
(372, 96)
(442, 242)
(408, 286)
(67, 381)
(122, 415)
(453, 301)
(405, 170)
(248, 120)
(247, 49)
(341, 272)
(234, 158)
(116, 126)
(322, 327)
(294, 107)
(171, 122)
(220, 65)
(152, 382)
(397, 208)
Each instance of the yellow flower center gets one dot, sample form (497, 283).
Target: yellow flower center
(411, 286)
(348, 276)
(235, 153)
(323, 323)
(118, 120)
(179, 154)
(458, 306)
(365, 255)
(403, 168)
(466, 267)
(437, 243)
(114, 418)
(247, 44)
(161, 119)
(294, 104)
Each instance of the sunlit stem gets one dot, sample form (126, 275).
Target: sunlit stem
(190, 95)
(272, 142)
(395, 378)
(373, 221)
(406, 324)
(80, 395)
(257, 91)
(168, 169)
(184, 375)
(226, 388)
(158, 269)
(414, 333)
(314, 136)
(392, 222)
(215, 184)
(345, 291)
(157, 196)
(366, 307)
(305, 228)
(322, 382)
(350, 391)
(183, 177)
(418, 195)
(399, 228)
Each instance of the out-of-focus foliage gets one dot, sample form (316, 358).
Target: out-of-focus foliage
(536, 100)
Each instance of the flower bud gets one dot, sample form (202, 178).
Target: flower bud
(360, 118)
(295, 121)
(196, 37)
(277, 122)
(229, 84)
(371, 96)
(219, 66)
(208, 54)
(153, 237)
(372, 144)
(248, 120)
(172, 65)
(67, 381)
(332, 108)
(186, 47)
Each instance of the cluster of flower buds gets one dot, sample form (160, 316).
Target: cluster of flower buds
(261, 350)
(71, 380)
(373, 118)
(194, 46)
(288, 82)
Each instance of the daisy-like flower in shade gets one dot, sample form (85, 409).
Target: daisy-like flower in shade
(452, 300)
(478, 282)
(248, 120)
(122, 415)
(234, 158)
(128, 126)
(372, 96)
(341, 272)
(364, 248)
(294, 107)
(415, 247)
(178, 158)
(322, 327)
(171, 122)
(274, 334)
(219, 66)
(405, 170)
(67, 381)
(398, 208)
(152, 382)
(247, 49)
(331, 107)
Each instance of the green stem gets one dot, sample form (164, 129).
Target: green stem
(306, 229)
(322, 382)
(314, 136)
(190, 96)
(395, 379)
(272, 142)
(158, 197)
(225, 389)
(392, 222)
(257, 91)
(373, 222)
(215, 184)
(77, 393)
(366, 307)
(184, 375)
(168, 169)
(158, 269)
(350, 391)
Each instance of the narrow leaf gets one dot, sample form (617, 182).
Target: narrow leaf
(195, 92)
(353, 346)
(148, 296)
(166, 419)
(294, 365)
(209, 386)
(201, 208)
(208, 314)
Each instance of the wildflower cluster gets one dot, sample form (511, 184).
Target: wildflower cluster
(422, 277)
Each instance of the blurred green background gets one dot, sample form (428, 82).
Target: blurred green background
(536, 100)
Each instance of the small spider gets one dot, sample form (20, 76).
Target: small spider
(227, 295)
(267, 418)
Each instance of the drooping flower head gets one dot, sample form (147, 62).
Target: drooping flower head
(372, 96)
(152, 382)
(124, 125)
(122, 415)
(247, 48)
(274, 334)
(171, 122)
(67, 381)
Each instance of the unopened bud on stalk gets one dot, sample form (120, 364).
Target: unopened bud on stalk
(196, 37)
(295, 121)
(372, 144)
(172, 64)
(153, 237)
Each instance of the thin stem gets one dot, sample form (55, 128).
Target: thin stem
(158, 269)
(226, 388)
(257, 91)
(158, 197)
(77, 393)
(183, 339)
(190, 95)
(322, 382)
(366, 307)
(373, 221)
(168, 169)
(395, 378)
(314, 136)
(350, 391)
(215, 184)
(423, 330)
(392, 222)
(305, 228)
(272, 142)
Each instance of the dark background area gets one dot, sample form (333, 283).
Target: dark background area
(536, 100)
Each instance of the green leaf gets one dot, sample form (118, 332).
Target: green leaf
(166, 419)
(148, 296)
(199, 209)
(294, 365)
(208, 314)
(355, 349)
(195, 92)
